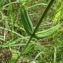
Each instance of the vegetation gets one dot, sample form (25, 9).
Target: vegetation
(31, 31)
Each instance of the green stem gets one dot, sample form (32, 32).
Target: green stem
(41, 19)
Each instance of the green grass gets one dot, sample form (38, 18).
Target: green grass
(14, 37)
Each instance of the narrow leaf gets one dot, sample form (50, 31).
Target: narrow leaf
(29, 48)
(47, 32)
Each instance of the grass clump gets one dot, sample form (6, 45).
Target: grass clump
(24, 47)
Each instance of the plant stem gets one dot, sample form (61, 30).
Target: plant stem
(39, 22)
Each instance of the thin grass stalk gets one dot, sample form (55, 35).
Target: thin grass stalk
(41, 19)
(54, 54)
(12, 17)
(37, 26)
